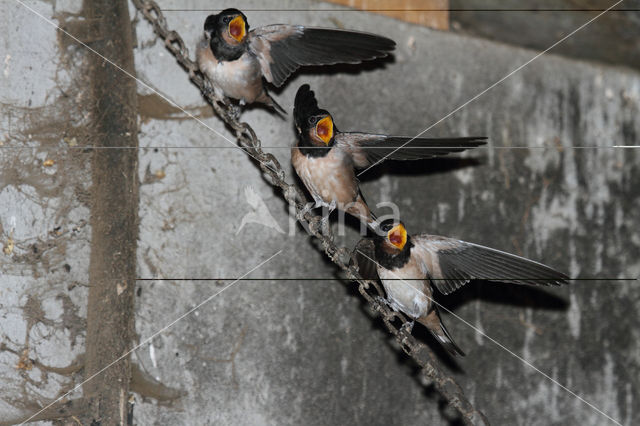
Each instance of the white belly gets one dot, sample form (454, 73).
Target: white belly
(240, 79)
(406, 295)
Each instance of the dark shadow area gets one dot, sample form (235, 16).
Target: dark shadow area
(504, 294)
(498, 293)
(431, 166)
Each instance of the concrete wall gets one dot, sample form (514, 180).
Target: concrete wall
(537, 24)
(308, 352)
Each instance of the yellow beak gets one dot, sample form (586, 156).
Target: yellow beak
(237, 28)
(324, 129)
(398, 236)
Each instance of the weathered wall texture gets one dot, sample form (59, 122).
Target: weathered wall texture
(44, 207)
(307, 352)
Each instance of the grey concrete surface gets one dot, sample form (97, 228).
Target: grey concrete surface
(538, 24)
(307, 352)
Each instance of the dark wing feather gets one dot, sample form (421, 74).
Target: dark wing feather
(282, 49)
(369, 149)
(453, 263)
(365, 255)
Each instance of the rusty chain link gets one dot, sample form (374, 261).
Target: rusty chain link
(312, 223)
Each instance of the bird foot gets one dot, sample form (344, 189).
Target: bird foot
(325, 214)
(332, 206)
(381, 300)
(325, 225)
(209, 91)
(233, 110)
(407, 327)
(317, 202)
(306, 209)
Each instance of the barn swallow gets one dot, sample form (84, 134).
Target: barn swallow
(409, 266)
(235, 59)
(326, 159)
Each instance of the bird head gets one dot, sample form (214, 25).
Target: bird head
(314, 125)
(392, 235)
(229, 25)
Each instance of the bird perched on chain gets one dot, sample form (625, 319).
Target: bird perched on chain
(235, 59)
(325, 159)
(410, 266)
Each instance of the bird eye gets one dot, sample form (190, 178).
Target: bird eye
(312, 120)
(386, 227)
(226, 19)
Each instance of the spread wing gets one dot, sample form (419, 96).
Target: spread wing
(369, 149)
(453, 263)
(282, 49)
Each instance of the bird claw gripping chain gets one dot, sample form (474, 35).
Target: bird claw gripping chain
(341, 256)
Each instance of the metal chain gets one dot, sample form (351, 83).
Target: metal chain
(312, 223)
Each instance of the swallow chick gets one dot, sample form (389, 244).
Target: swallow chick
(235, 59)
(410, 266)
(325, 159)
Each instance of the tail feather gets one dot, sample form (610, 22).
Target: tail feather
(276, 106)
(434, 324)
(371, 217)
(266, 98)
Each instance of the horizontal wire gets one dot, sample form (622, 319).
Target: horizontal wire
(560, 148)
(411, 10)
(392, 279)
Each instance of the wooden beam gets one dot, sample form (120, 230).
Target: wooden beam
(114, 218)
(429, 13)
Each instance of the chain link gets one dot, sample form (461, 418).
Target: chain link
(341, 256)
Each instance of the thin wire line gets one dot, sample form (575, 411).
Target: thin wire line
(503, 347)
(148, 339)
(408, 10)
(497, 82)
(138, 80)
(392, 279)
(560, 148)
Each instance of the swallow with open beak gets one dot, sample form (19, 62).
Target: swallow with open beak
(409, 266)
(235, 59)
(326, 159)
